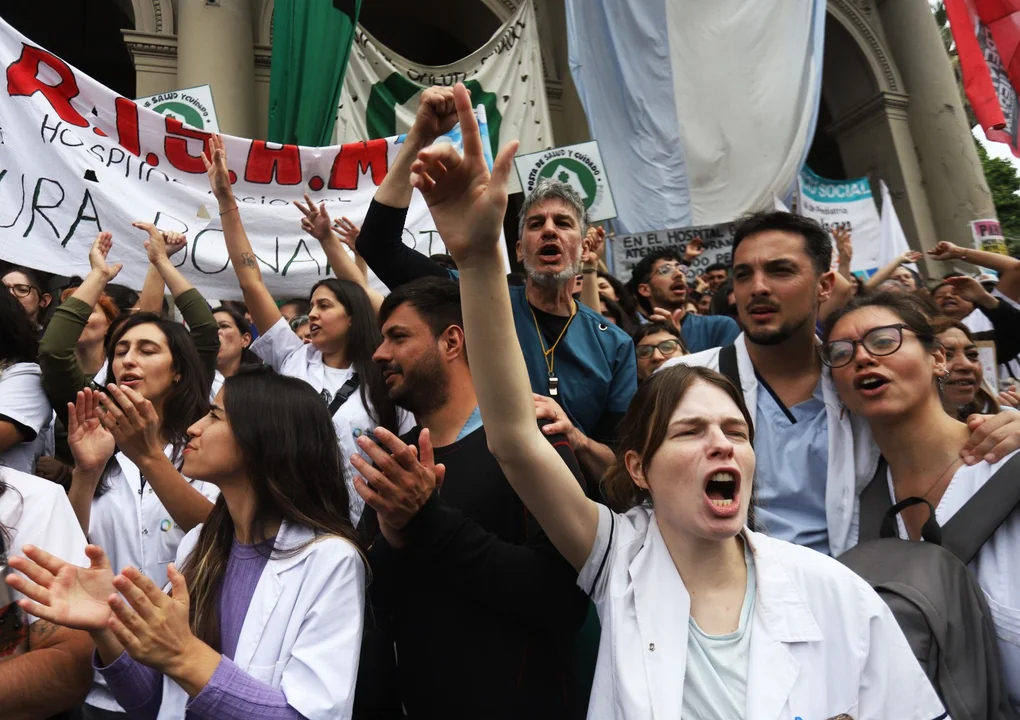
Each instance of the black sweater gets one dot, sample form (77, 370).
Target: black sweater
(481, 607)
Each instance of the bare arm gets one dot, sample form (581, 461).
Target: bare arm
(257, 297)
(317, 224)
(1007, 267)
(589, 267)
(468, 208)
(151, 297)
(884, 273)
(54, 675)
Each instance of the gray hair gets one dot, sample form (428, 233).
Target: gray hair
(549, 189)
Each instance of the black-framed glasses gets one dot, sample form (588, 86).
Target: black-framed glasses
(878, 342)
(670, 269)
(666, 347)
(21, 290)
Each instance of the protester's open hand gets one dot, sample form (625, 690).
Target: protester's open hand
(844, 245)
(151, 625)
(62, 593)
(437, 113)
(910, 256)
(316, 220)
(347, 232)
(134, 424)
(216, 166)
(992, 437)
(161, 243)
(945, 251)
(400, 483)
(701, 284)
(665, 316)
(466, 202)
(971, 290)
(98, 256)
(695, 247)
(592, 245)
(91, 444)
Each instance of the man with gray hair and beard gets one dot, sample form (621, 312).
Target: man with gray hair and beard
(582, 368)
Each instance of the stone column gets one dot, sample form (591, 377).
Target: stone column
(950, 168)
(215, 47)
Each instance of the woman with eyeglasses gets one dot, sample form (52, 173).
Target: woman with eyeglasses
(302, 327)
(24, 409)
(28, 287)
(890, 368)
(654, 344)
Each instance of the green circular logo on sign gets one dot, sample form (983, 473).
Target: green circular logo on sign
(575, 174)
(185, 113)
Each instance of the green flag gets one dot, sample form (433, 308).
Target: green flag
(311, 43)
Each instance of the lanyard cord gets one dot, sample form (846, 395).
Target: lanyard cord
(549, 355)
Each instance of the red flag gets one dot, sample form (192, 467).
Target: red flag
(987, 35)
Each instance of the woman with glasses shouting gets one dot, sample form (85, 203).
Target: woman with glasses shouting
(27, 286)
(889, 367)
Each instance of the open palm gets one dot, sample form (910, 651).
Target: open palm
(62, 593)
(98, 256)
(92, 445)
(466, 202)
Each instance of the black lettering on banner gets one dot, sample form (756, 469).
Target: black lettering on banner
(37, 207)
(96, 151)
(45, 127)
(65, 143)
(21, 208)
(87, 200)
(430, 233)
(110, 161)
(194, 252)
(293, 258)
(275, 268)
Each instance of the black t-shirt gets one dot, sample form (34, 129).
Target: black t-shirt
(481, 608)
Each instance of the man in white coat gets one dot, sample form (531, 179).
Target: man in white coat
(814, 457)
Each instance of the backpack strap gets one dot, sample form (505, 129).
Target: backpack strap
(345, 391)
(981, 516)
(728, 365)
(931, 532)
(875, 503)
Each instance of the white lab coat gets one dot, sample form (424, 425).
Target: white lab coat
(302, 632)
(133, 527)
(853, 454)
(822, 641)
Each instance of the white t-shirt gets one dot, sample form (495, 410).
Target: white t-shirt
(283, 351)
(715, 684)
(37, 512)
(996, 566)
(23, 402)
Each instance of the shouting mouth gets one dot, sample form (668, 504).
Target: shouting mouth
(550, 253)
(722, 492)
(871, 384)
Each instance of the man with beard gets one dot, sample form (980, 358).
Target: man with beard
(812, 456)
(582, 368)
(481, 608)
(659, 282)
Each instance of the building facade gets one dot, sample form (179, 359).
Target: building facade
(890, 109)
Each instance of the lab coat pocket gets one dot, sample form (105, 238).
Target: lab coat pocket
(170, 536)
(1007, 622)
(263, 673)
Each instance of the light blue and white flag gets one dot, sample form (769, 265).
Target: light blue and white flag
(703, 110)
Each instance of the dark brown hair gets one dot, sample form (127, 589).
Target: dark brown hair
(643, 428)
(907, 306)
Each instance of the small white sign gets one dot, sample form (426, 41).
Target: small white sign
(580, 166)
(192, 106)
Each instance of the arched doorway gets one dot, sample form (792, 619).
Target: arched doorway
(88, 36)
(430, 33)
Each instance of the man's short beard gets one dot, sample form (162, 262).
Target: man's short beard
(424, 389)
(552, 280)
(780, 335)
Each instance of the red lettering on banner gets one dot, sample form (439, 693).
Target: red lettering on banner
(127, 125)
(176, 148)
(23, 80)
(354, 159)
(264, 163)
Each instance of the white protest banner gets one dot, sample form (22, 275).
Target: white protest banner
(75, 159)
(580, 166)
(627, 250)
(381, 89)
(988, 236)
(844, 204)
(192, 106)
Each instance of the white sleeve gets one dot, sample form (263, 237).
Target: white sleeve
(277, 344)
(594, 575)
(49, 522)
(22, 399)
(319, 678)
(892, 683)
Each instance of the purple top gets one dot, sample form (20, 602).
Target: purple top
(231, 694)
